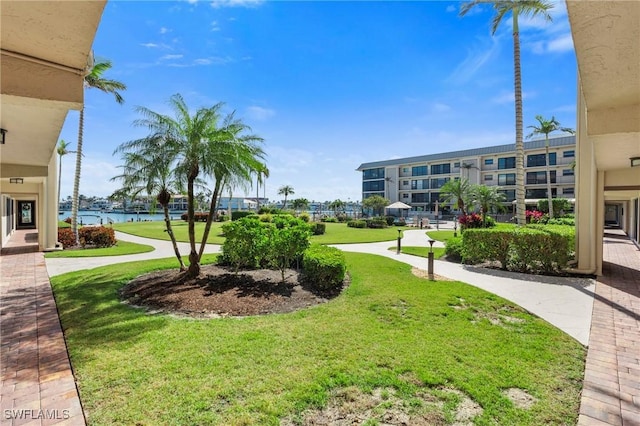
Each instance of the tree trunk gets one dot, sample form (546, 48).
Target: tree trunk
(258, 193)
(520, 205)
(549, 195)
(194, 263)
(212, 211)
(59, 182)
(167, 221)
(76, 180)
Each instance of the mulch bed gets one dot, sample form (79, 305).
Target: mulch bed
(220, 292)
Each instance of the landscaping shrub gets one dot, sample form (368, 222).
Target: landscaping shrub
(453, 248)
(470, 221)
(318, 228)
(286, 242)
(390, 220)
(68, 220)
(264, 210)
(400, 222)
(304, 216)
(98, 236)
(357, 223)
(267, 217)
(341, 217)
(329, 219)
(197, 216)
(377, 223)
(222, 218)
(240, 214)
(568, 221)
(480, 245)
(536, 216)
(560, 205)
(66, 237)
(324, 266)
(245, 243)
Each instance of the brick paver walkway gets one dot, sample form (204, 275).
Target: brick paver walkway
(37, 386)
(611, 392)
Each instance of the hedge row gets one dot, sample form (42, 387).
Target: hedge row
(527, 249)
(324, 266)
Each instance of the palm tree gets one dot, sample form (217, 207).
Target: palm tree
(300, 204)
(336, 206)
(285, 190)
(456, 192)
(148, 167)
(203, 144)
(487, 198)
(62, 150)
(517, 8)
(544, 128)
(93, 80)
(261, 179)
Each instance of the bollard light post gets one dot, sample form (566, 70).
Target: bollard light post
(455, 227)
(430, 264)
(399, 243)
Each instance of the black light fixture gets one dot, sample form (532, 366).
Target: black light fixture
(635, 161)
(4, 132)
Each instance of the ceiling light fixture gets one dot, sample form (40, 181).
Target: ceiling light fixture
(4, 132)
(635, 161)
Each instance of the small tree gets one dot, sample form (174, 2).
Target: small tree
(288, 238)
(300, 204)
(376, 203)
(487, 198)
(285, 190)
(457, 192)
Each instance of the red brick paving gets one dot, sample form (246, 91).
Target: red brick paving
(611, 390)
(36, 383)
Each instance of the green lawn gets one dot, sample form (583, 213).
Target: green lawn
(336, 233)
(438, 252)
(441, 235)
(389, 329)
(121, 248)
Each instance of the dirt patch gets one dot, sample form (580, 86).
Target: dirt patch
(220, 292)
(520, 398)
(421, 273)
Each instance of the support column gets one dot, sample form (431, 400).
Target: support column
(50, 202)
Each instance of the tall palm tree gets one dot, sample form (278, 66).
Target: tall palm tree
(203, 144)
(300, 204)
(62, 150)
(93, 80)
(457, 192)
(517, 8)
(148, 167)
(544, 128)
(261, 179)
(487, 198)
(285, 190)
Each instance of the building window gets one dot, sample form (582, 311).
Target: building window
(437, 183)
(420, 197)
(536, 160)
(405, 170)
(373, 185)
(507, 179)
(419, 171)
(567, 172)
(488, 161)
(535, 178)
(371, 194)
(405, 182)
(456, 165)
(405, 195)
(539, 193)
(488, 177)
(569, 154)
(507, 163)
(568, 191)
(509, 194)
(373, 173)
(440, 169)
(420, 184)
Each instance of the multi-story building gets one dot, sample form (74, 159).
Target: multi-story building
(416, 181)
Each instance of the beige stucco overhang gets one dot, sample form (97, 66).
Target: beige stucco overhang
(45, 50)
(606, 37)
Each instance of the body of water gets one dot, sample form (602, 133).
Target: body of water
(90, 217)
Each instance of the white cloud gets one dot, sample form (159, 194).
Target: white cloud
(563, 43)
(164, 30)
(439, 107)
(451, 8)
(150, 45)
(192, 1)
(475, 60)
(236, 3)
(259, 113)
(215, 26)
(509, 97)
(171, 57)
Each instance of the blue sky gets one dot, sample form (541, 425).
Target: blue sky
(328, 85)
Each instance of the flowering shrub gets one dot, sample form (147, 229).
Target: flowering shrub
(535, 216)
(98, 236)
(66, 237)
(469, 221)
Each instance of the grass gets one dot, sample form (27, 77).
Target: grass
(119, 249)
(438, 252)
(336, 233)
(443, 235)
(388, 329)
